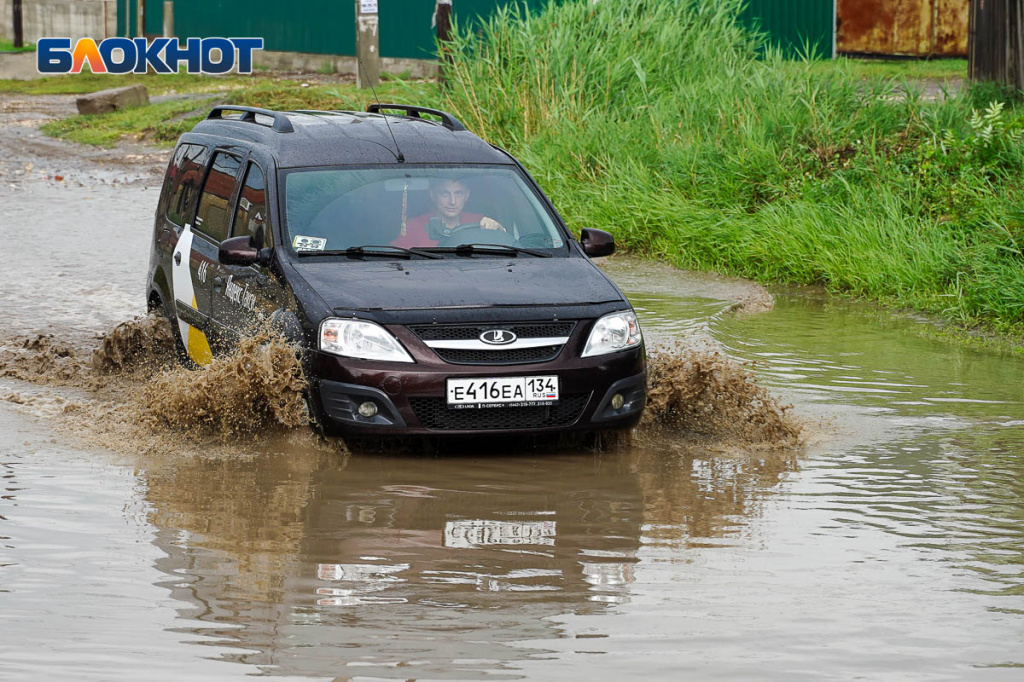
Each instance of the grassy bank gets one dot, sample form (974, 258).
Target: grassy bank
(658, 122)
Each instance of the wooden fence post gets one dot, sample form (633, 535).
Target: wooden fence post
(19, 35)
(443, 18)
(367, 44)
(168, 19)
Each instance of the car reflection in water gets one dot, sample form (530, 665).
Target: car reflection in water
(313, 564)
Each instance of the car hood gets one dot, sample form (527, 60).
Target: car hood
(457, 283)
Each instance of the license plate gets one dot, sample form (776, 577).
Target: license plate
(471, 533)
(502, 392)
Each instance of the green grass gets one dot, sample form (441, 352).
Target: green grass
(913, 69)
(8, 46)
(163, 122)
(288, 95)
(158, 123)
(668, 125)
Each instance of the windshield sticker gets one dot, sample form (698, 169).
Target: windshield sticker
(301, 243)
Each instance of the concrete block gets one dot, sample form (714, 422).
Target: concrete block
(115, 99)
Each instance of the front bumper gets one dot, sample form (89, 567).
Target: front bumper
(411, 399)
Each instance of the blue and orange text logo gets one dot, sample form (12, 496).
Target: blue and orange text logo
(139, 55)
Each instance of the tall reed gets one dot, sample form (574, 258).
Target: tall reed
(677, 129)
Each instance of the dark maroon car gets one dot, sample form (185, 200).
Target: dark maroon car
(432, 285)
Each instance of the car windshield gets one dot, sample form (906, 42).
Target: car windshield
(418, 208)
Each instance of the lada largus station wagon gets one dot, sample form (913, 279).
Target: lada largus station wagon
(430, 283)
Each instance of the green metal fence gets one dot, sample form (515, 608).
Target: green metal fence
(799, 27)
(405, 25)
(328, 26)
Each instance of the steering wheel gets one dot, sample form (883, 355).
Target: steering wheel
(472, 233)
(436, 230)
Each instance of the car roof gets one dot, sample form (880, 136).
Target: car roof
(330, 138)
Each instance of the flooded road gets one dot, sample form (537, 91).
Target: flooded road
(889, 547)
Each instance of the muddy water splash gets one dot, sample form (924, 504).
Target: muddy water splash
(259, 386)
(42, 359)
(256, 387)
(143, 343)
(693, 390)
(706, 392)
(137, 395)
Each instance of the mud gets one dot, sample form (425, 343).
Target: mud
(138, 344)
(257, 388)
(707, 393)
(42, 359)
(26, 154)
(138, 389)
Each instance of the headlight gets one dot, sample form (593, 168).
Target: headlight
(614, 332)
(361, 339)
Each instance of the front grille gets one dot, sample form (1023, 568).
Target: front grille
(433, 413)
(526, 330)
(497, 355)
(509, 356)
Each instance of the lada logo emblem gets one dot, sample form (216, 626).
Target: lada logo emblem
(498, 337)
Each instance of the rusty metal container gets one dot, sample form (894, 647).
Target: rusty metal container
(913, 28)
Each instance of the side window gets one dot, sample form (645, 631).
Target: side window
(251, 214)
(181, 185)
(212, 216)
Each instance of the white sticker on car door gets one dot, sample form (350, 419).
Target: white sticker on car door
(184, 294)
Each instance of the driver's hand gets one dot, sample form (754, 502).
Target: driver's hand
(490, 224)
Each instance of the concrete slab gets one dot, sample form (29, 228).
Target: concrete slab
(114, 99)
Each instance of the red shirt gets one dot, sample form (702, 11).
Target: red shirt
(416, 230)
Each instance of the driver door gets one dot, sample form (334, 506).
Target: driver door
(245, 296)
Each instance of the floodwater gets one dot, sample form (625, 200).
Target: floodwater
(889, 547)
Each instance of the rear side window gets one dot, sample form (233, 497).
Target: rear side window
(251, 214)
(212, 216)
(181, 185)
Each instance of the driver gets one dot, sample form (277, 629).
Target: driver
(449, 198)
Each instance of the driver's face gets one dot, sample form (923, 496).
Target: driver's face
(449, 198)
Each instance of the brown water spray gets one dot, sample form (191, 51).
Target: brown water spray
(258, 389)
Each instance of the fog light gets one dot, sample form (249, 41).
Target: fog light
(369, 409)
(617, 402)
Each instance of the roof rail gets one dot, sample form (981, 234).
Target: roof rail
(447, 120)
(281, 123)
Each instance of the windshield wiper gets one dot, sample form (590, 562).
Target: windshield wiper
(372, 250)
(469, 249)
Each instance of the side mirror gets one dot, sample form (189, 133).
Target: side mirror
(238, 251)
(597, 243)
